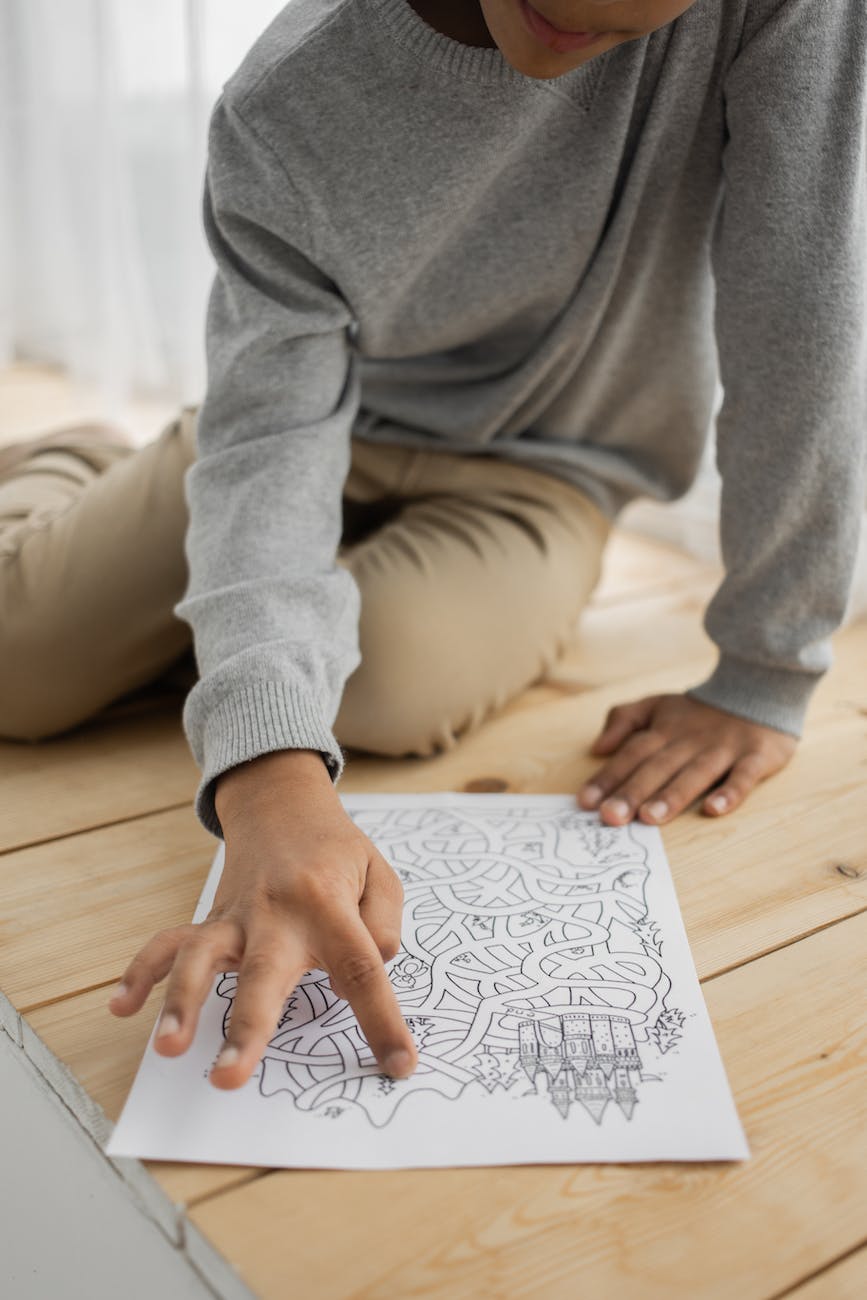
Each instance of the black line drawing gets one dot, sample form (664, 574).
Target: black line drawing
(529, 965)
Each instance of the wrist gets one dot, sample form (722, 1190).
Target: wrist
(260, 778)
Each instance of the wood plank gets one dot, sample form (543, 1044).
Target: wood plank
(758, 879)
(100, 773)
(619, 641)
(620, 644)
(746, 885)
(731, 899)
(62, 883)
(141, 875)
(845, 1280)
(73, 912)
(635, 567)
(794, 1043)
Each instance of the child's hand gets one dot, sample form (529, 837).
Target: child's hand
(302, 889)
(670, 749)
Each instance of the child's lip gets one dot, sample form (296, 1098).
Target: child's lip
(552, 36)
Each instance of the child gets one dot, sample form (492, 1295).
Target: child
(475, 274)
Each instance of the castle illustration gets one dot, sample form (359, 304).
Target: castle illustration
(589, 1059)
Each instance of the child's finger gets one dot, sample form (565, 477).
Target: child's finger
(356, 968)
(691, 782)
(743, 778)
(198, 959)
(645, 781)
(381, 906)
(150, 965)
(621, 722)
(636, 749)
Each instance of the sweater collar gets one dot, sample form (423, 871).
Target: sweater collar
(474, 63)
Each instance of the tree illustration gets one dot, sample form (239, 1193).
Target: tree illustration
(668, 1028)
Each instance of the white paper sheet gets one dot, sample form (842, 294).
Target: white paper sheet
(547, 979)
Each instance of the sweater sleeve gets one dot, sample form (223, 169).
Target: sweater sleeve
(790, 266)
(274, 617)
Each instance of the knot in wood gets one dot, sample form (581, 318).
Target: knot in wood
(486, 785)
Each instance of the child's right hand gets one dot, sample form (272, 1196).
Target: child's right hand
(302, 888)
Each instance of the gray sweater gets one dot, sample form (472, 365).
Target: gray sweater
(417, 244)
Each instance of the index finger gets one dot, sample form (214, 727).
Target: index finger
(350, 955)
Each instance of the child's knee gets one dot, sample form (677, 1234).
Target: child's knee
(383, 713)
(31, 704)
(22, 717)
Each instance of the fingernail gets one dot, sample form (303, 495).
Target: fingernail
(120, 992)
(718, 803)
(590, 796)
(616, 807)
(398, 1062)
(169, 1024)
(657, 810)
(228, 1056)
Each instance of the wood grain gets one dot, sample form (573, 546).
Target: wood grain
(846, 1280)
(746, 885)
(624, 640)
(73, 912)
(794, 1043)
(634, 567)
(93, 776)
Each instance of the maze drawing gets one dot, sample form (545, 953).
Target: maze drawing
(529, 964)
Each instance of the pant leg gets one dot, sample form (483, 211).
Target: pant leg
(92, 563)
(472, 572)
(90, 569)
(470, 591)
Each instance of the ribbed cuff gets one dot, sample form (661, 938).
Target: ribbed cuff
(773, 697)
(260, 719)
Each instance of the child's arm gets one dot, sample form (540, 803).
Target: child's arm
(275, 623)
(790, 264)
(274, 618)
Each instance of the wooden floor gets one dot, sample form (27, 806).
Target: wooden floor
(99, 848)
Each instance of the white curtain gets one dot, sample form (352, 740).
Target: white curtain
(104, 106)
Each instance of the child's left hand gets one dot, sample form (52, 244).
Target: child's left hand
(670, 749)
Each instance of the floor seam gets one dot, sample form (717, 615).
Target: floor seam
(818, 1272)
(98, 826)
(769, 952)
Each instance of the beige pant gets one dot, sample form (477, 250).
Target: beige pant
(472, 574)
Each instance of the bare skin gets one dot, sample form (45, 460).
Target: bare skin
(499, 24)
(303, 888)
(669, 750)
